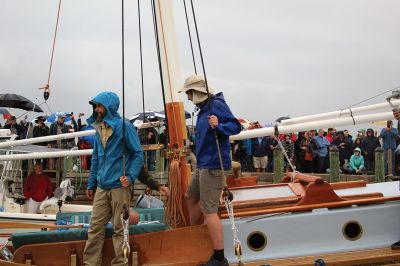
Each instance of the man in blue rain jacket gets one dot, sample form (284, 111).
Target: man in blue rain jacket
(207, 181)
(109, 183)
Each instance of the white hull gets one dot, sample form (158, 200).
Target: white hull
(321, 230)
(317, 232)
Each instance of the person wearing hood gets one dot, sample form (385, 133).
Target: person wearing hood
(207, 182)
(356, 164)
(116, 162)
(368, 146)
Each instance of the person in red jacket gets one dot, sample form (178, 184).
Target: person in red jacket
(37, 188)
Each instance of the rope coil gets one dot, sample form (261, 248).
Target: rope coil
(173, 204)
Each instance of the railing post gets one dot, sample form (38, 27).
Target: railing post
(334, 165)
(278, 165)
(389, 162)
(379, 165)
(159, 162)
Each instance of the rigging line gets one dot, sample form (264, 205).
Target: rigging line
(159, 66)
(48, 107)
(141, 59)
(158, 55)
(54, 45)
(123, 84)
(352, 117)
(372, 97)
(190, 38)
(201, 53)
(166, 59)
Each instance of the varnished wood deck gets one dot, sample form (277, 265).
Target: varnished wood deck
(381, 256)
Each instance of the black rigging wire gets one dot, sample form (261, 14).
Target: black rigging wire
(370, 98)
(190, 37)
(201, 54)
(123, 85)
(153, 9)
(141, 61)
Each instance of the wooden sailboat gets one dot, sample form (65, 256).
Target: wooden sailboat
(293, 223)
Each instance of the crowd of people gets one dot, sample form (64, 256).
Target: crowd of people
(309, 151)
(39, 128)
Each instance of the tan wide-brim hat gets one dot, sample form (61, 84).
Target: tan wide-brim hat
(236, 166)
(197, 83)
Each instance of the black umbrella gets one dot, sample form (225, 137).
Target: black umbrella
(149, 116)
(19, 102)
(187, 114)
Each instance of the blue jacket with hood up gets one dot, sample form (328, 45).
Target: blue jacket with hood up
(107, 162)
(206, 149)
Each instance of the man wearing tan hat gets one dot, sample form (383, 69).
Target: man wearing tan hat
(207, 183)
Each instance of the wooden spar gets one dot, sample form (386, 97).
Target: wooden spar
(172, 83)
(21, 142)
(342, 113)
(343, 121)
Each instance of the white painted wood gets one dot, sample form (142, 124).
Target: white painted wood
(313, 233)
(47, 138)
(341, 113)
(38, 155)
(261, 193)
(388, 189)
(168, 50)
(344, 121)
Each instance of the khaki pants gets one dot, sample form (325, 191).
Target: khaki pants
(107, 206)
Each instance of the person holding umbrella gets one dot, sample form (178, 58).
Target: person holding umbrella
(13, 126)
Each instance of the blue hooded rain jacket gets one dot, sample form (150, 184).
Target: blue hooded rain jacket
(206, 147)
(107, 163)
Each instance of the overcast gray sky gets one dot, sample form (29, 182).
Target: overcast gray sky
(270, 58)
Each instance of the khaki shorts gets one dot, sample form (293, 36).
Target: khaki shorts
(206, 187)
(260, 162)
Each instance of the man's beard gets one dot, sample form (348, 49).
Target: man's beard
(99, 117)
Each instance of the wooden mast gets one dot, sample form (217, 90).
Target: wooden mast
(172, 83)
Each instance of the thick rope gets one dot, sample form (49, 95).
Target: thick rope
(47, 87)
(173, 205)
(237, 245)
